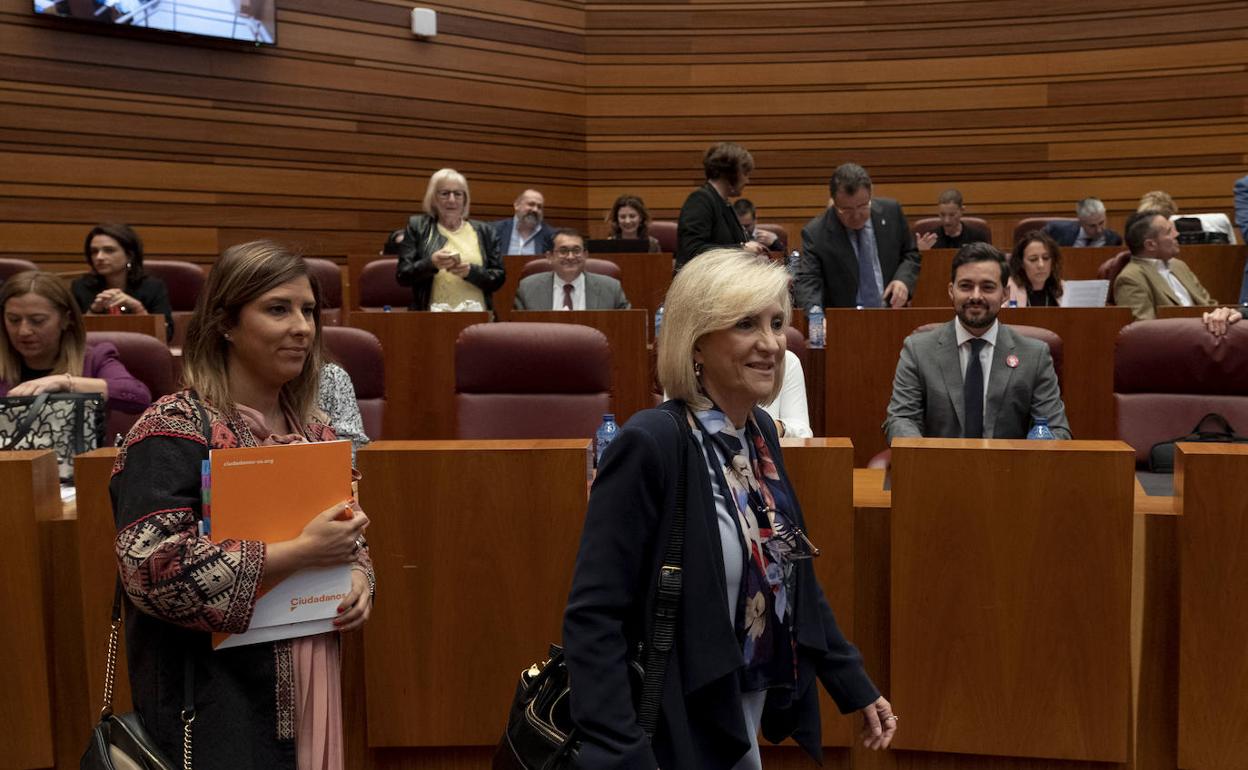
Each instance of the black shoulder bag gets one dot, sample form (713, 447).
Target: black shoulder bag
(1161, 456)
(119, 741)
(540, 734)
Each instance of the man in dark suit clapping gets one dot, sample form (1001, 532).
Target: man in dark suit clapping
(859, 252)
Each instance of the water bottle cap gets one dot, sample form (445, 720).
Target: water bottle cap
(608, 418)
(1042, 421)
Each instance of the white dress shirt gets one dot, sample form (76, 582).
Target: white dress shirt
(985, 354)
(519, 243)
(1185, 299)
(578, 293)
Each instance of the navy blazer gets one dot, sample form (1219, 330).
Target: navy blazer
(609, 611)
(504, 228)
(1065, 231)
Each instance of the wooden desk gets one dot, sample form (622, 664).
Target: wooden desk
(420, 368)
(863, 347)
(1011, 608)
(31, 494)
(630, 359)
(1211, 484)
(1219, 267)
(153, 325)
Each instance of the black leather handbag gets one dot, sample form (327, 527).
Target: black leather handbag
(119, 741)
(1161, 456)
(67, 423)
(540, 733)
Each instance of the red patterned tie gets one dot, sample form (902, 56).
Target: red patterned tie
(567, 296)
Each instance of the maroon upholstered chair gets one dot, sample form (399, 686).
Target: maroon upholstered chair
(185, 282)
(379, 286)
(330, 278)
(796, 342)
(664, 231)
(13, 266)
(1025, 226)
(149, 360)
(1110, 269)
(782, 236)
(1169, 373)
(882, 459)
(599, 266)
(531, 380)
(359, 353)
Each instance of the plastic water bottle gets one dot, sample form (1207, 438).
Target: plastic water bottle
(385, 308)
(604, 436)
(1041, 430)
(1012, 303)
(658, 321)
(795, 258)
(817, 327)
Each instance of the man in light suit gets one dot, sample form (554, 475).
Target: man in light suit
(1155, 276)
(526, 233)
(859, 252)
(974, 377)
(1090, 230)
(567, 286)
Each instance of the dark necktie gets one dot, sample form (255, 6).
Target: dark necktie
(567, 296)
(973, 391)
(868, 289)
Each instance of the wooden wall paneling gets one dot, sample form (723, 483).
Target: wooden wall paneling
(1210, 490)
(31, 495)
(630, 359)
(420, 368)
(427, 647)
(1031, 601)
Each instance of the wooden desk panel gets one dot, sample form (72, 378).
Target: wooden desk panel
(1220, 269)
(630, 359)
(31, 494)
(152, 325)
(1012, 609)
(863, 347)
(474, 545)
(821, 471)
(1211, 487)
(420, 369)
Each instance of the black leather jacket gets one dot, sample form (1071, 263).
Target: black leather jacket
(416, 267)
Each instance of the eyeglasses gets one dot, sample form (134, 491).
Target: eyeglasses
(452, 194)
(570, 251)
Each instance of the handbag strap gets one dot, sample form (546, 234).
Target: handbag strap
(24, 425)
(666, 603)
(187, 714)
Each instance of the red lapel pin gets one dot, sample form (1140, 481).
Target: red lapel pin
(1011, 361)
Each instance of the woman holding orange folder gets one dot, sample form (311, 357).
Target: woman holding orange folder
(252, 361)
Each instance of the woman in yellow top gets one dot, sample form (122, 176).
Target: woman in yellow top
(445, 256)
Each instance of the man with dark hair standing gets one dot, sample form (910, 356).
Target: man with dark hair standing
(974, 377)
(859, 252)
(953, 233)
(707, 220)
(1155, 276)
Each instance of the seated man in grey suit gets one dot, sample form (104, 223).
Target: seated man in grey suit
(974, 377)
(859, 251)
(1090, 230)
(567, 286)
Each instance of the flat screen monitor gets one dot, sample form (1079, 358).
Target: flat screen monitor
(618, 245)
(249, 20)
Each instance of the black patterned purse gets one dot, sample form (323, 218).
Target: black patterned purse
(67, 423)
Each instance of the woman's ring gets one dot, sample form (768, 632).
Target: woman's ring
(891, 717)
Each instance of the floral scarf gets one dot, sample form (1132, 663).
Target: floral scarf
(764, 611)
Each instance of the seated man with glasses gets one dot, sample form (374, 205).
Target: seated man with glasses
(859, 252)
(567, 286)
